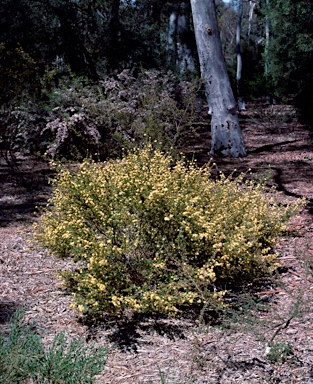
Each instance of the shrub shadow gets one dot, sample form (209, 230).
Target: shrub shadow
(126, 332)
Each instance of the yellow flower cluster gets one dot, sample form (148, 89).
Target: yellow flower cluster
(154, 235)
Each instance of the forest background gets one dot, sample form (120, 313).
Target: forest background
(93, 77)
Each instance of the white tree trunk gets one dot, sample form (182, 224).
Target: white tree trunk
(171, 37)
(185, 59)
(251, 10)
(226, 134)
(267, 41)
(178, 51)
(241, 103)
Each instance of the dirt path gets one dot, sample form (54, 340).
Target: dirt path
(182, 351)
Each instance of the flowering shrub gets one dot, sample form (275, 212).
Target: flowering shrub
(154, 235)
(80, 119)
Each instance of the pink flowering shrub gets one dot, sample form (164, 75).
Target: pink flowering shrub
(154, 106)
(80, 119)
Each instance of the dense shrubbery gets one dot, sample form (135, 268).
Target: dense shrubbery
(154, 235)
(24, 358)
(19, 80)
(77, 118)
(18, 74)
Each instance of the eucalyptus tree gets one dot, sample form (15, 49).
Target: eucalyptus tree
(241, 104)
(252, 4)
(267, 42)
(226, 133)
(180, 39)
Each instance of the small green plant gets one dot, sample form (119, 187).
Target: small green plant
(24, 358)
(162, 376)
(279, 352)
(152, 234)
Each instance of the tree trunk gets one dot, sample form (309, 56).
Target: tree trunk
(171, 38)
(178, 48)
(252, 5)
(241, 103)
(226, 134)
(267, 41)
(185, 58)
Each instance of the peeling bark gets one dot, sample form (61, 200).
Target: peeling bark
(227, 138)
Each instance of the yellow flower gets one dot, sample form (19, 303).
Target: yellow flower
(81, 308)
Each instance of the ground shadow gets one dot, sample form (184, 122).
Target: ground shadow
(7, 310)
(278, 178)
(126, 332)
(20, 212)
(23, 189)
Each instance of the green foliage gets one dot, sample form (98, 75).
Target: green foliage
(23, 358)
(291, 52)
(18, 74)
(254, 81)
(30, 25)
(19, 81)
(20, 354)
(154, 235)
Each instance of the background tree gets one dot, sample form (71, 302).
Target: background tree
(180, 39)
(226, 134)
(266, 55)
(291, 53)
(241, 104)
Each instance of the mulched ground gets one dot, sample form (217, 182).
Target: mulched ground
(149, 350)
